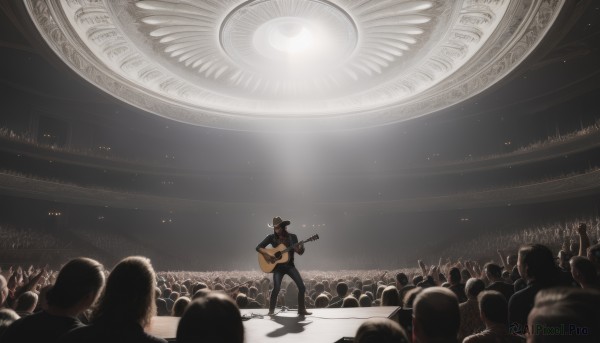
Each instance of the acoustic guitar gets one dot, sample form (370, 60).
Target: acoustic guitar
(281, 253)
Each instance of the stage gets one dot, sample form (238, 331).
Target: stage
(326, 325)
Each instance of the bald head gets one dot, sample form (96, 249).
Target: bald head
(577, 309)
(436, 315)
(593, 255)
(473, 287)
(3, 290)
(584, 271)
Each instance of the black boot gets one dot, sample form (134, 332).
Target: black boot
(271, 308)
(273, 303)
(301, 306)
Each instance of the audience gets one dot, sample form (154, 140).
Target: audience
(593, 255)
(401, 280)
(321, 301)
(493, 273)
(42, 303)
(380, 330)
(379, 294)
(456, 312)
(350, 301)
(365, 301)
(7, 317)
(76, 288)
(436, 316)
(342, 292)
(161, 307)
(3, 290)
(125, 308)
(470, 319)
(241, 300)
(456, 286)
(390, 296)
(166, 295)
(584, 272)
(410, 297)
(537, 268)
(563, 260)
(493, 309)
(211, 318)
(180, 305)
(403, 285)
(565, 315)
(14, 238)
(26, 303)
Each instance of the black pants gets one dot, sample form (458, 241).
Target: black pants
(278, 274)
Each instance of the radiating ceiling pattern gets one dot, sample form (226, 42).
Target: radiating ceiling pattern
(293, 64)
(286, 48)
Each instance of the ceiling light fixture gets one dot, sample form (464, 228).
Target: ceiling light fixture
(293, 64)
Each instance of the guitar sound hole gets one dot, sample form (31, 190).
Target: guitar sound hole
(278, 255)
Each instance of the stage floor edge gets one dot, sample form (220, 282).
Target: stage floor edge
(325, 325)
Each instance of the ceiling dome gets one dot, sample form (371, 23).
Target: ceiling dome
(293, 64)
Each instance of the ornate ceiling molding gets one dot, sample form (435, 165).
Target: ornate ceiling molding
(293, 64)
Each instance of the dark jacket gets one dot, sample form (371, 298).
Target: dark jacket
(39, 327)
(500, 286)
(274, 241)
(101, 331)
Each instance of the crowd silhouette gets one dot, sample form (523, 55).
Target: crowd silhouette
(532, 293)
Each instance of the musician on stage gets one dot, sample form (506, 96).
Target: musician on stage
(281, 235)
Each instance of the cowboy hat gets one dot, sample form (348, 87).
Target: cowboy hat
(277, 221)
